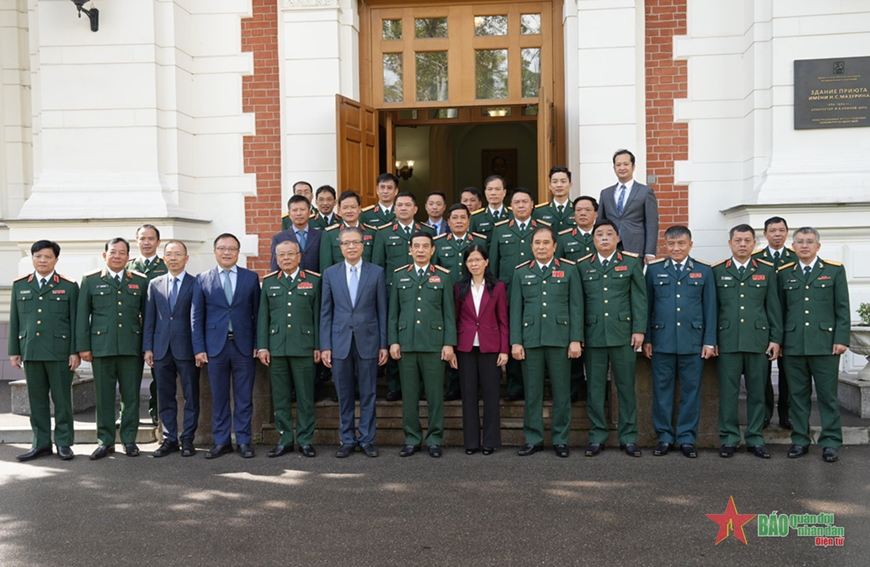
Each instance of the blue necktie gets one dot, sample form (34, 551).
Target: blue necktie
(301, 238)
(620, 204)
(173, 294)
(228, 292)
(353, 286)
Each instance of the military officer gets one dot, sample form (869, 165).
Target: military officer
(305, 189)
(325, 216)
(815, 301)
(483, 220)
(384, 212)
(421, 331)
(681, 334)
(510, 246)
(152, 265)
(615, 306)
(288, 326)
(330, 245)
(471, 198)
(41, 334)
(776, 252)
(546, 329)
(558, 212)
(449, 250)
(749, 335)
(109, 335)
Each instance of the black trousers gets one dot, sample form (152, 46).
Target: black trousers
(478, 369)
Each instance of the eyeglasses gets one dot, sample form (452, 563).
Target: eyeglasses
(286, 254)
(350, 243)
(226, 249)
(174, 255)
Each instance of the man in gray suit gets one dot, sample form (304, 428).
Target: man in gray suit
(353, 338)
(633, 207)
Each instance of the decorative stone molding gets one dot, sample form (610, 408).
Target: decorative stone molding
(291, 4)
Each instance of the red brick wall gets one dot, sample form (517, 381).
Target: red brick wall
(260, 95)
(666, 80)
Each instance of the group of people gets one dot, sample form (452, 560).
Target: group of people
(569, 291)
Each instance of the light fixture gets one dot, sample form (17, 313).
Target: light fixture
(405, 171)
(93, 14)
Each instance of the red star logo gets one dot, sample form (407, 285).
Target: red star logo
(731, 521)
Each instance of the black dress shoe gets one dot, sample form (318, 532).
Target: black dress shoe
(394, 395)
(435, 451)
(370, 450)
(766, 423)
(488, 451)
(187, 449)
(34, 454)
(345, 450)
(594, 449)
(689, 450)
(131, 449)
(759, 451)
(102, 451)
(452, 396)
(726, 451)
(409, 450)
(307, 451)
(513, 397)
(575, 398)
(631, 449)
(830, 455)
(280, 450)
(246, 450)
(786, 424)
(470, 451)
(154, 420)
(796, 451)
(165, 448)
(662, 448)
(65, 453)
(561, 450)
(219, 451)
(529, 449)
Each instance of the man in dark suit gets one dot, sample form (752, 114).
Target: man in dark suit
(226, 301)
(302, 233)
(633, 207)
(168, 347)
(353, 338)
(681, 334)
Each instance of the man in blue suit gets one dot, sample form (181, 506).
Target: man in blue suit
(681, 334)
(353, 338)
(226, 300)
(168, 347)
(302, 233)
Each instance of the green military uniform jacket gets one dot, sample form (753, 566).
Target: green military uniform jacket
(815, 308)
(393, 246)
(546, 308)
(330, 245)
(156, 268)
(482, 221)
(109, 315)
(320, 222)
(549, 212)
(787, 256)
(42, 322)
(422, 317)
(574, 245)
(749, 311)
(615, 302)
(509, 247)
(289, 319)
(374, 216)
(449, 251)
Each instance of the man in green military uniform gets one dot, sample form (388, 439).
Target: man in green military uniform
(546, 329)
(288, 326)
(384, 212)
(776, 252)
(558, 211)
(421, 331)
(749, 334)
(392, 251)
(817, 326)
(41, 334)
(330, 244)
(152, 265)
(483, 220)
(325, 215)
(510, 246)
(615, 305)
(109, 335)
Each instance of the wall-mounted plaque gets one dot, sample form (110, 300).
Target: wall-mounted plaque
(832, 93)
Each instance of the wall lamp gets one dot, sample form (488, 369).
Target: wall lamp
(405, 171)
(93, 14)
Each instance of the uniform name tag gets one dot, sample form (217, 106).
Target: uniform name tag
(663, 275)
(404, 280)
(791, 281)
(558, 274)
(275, 287)
(305, 285)
(758, 277)
(24, 291)
(572, 244)
(530, 276)
(620, 269)
(58, 291)
(434, 279)
(101, 286)
(133, 286)
(726, 278)
(695, 275)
